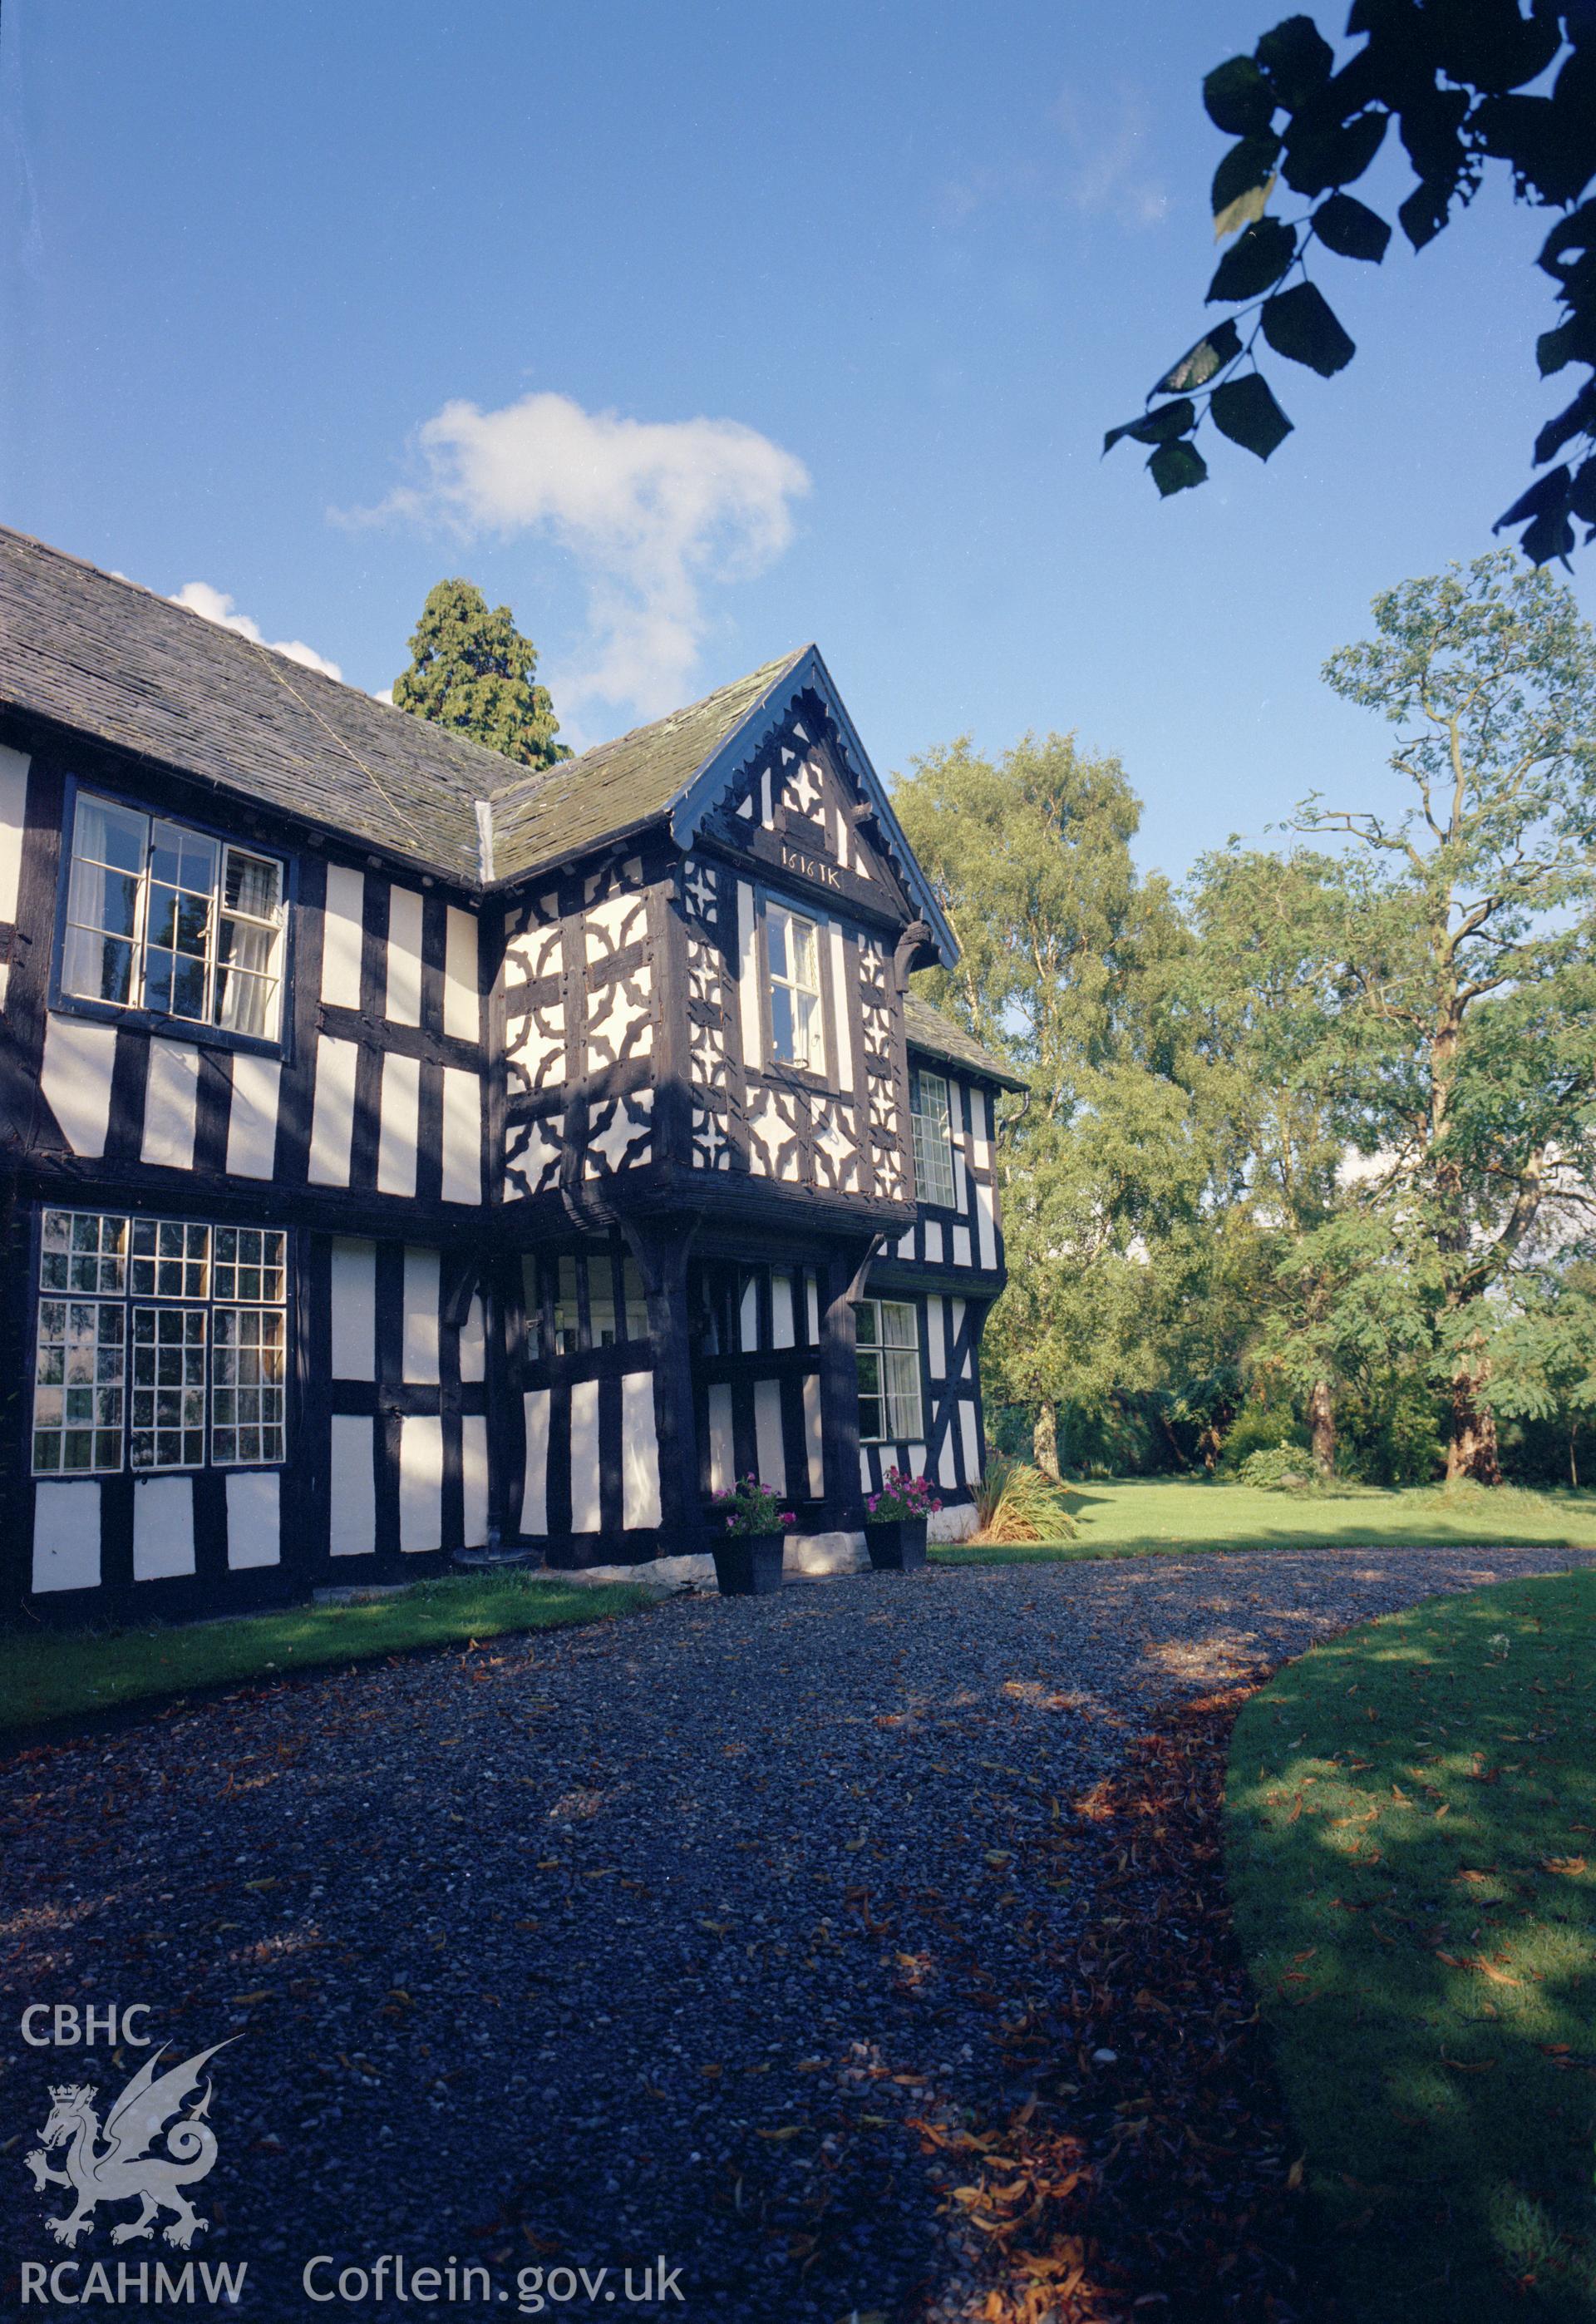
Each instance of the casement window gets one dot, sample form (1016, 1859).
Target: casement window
(557, 1290)
(932, 1125)
(888, 1336)
(793, 950)
(165, 918)
(162, 1343)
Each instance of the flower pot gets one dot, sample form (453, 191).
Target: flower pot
(897, 1545)
(750, 1564)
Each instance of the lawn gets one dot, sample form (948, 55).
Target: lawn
(1411, 1849)
(59, 1675)
(1135, 1516)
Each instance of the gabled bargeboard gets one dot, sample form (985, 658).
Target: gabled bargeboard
(404, 1154)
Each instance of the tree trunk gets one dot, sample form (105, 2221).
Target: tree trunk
(1044, 1441)
(1321, 1424)
(1472, 1450)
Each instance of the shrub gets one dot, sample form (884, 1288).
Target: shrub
(1260, 1428)
(1279, 1469)
(1016, 1503)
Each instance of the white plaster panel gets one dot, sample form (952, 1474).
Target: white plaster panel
(534, 1408)
(586, 1514)
(421, 1481)
(767, 1435)
(254, 1518)
(164, 1528)
(171, 1102)
(421, 1315)
(342, 936)
(403, 1001)
(462, 1136)
(473, 1477)
(722, 1447)
(399, 1127)
(353, 1296)
(748, 982)
(332, 1115)
(639, 1453)
(252, 1116)
(462, 1003)
(67, 1535)
(76, 1079)
(353, 1531)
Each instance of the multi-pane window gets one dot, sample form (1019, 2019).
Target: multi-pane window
(162, 1343)
(888, 1336)
(933, 1146)
(556, 1289)
(162, 918)
(793, 947)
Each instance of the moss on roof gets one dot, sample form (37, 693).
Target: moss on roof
(542, 816)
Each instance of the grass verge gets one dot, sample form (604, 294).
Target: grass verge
(1411, 1849)
(1141, 1517)
(52, 1674)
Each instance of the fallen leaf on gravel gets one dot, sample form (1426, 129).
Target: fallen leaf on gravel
(791, 2130)
(248, 2000)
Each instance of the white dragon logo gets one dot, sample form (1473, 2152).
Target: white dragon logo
(124, 2170)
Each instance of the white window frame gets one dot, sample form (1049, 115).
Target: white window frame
(932, 1135)
(805, 1001)
(234, 956)
(223, 1280)
(887, 1348)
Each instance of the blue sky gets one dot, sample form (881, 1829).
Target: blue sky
(697, 331)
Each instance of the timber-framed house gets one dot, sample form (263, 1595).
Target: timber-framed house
(405, 1156)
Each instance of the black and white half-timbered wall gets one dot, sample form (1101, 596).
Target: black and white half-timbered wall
(405, 1156)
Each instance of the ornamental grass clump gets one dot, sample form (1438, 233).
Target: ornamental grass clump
(750, 1507)
(1016, 1503)
(901, 1500)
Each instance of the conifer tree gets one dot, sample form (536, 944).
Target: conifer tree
(472, 670)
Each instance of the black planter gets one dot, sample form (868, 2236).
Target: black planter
(896, 1546)
(750, 1564)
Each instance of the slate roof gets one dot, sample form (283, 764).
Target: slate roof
(928, 1029)
(101, 654)
(542, 816)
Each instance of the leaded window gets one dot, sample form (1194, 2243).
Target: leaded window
(163, 918)
(162, 1343)
(888, 1342)
(793, 945)
(930, 1124)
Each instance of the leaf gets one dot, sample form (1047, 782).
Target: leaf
(1243, 170)
(1244, 210)
(1350, 228)
(1317, 158)
(1566, 1866)
(1297, 58)
(1245, 411)
(1549, 533)
(1423, 213)
(1299, 324)
(1237, 98)
(1258, 260)
(1199, 365)
(1156, 426)
(791, 2130)
(1176, 467)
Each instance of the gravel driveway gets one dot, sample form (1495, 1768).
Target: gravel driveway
(653, 1939)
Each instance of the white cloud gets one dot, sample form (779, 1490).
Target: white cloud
(1108, 142)
(215, 605)
(652, 511)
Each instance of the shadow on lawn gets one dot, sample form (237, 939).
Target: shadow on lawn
(1412, 1825)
